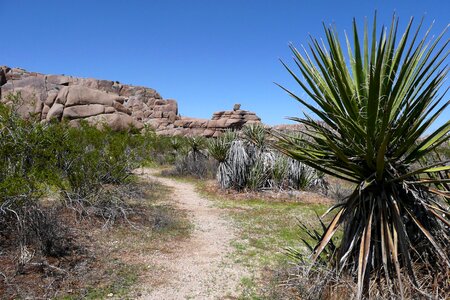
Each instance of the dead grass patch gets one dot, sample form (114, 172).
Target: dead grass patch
(210, 187)
(101, 260)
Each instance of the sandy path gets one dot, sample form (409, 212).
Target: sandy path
(200, 267)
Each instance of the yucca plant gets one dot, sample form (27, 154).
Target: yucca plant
(256, 135)
(239, 162)
(218, 148)
(195, 161)
(258, 175)
(375, 112)
(280, 170)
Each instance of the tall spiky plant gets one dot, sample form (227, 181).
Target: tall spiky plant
(256, 135)
(375, 112)
(218, 148)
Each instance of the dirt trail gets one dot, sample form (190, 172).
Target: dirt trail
(200, 267)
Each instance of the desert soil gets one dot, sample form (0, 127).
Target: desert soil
(201, 266)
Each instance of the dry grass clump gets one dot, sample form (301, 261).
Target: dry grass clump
(50, 250)
(308, 281)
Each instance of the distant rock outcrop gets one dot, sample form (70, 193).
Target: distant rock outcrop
(117, 105)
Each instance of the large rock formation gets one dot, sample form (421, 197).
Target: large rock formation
(100, 102)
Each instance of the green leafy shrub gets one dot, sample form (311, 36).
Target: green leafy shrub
(24, 158)
(78, 161)
(92, 157)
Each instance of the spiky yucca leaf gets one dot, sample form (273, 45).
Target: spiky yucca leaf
(239, 162)
(373, 112)
(219, 147)
(196, 143)
(255, 134)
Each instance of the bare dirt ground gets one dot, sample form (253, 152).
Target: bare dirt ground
(200, 267)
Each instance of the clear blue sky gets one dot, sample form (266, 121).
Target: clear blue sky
(207, 54)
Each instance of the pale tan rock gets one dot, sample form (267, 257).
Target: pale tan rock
(156, 115)
(121, 100)
(198, 123)
(58, 79)
(172, 117)
(117, 122)
(153, 123)
(252, 118)
(120, 107)
(75, 123)
(62, 95)
(147, 114)
(83, 111)
(221, 123)
(55, 112)
(110, 110)
(51, 97)
(38, 107)
(138, 115)
(208, 133)
(79, 95)
(234, 122)
(166, 108)
(45, 111)
(179, 123)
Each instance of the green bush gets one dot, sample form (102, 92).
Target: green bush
(25, 159)
(77, 161)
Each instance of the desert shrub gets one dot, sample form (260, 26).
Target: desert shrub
(36, 228)
(162, 150)
(279, 171)
(77, 161)
(25, 158)
(193, 160)
(239, 162)
(247, 161)
(92, 157)
(373, 111)
(43, 227)
(218, 149)
(257, 175)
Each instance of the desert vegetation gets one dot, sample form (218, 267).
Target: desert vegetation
(375, 113)
(354, 203)
(244, 160)
(248, 162)
(57, 183)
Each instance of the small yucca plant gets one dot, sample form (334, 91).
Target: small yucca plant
(218, 148)
(256, 135)
(239, 161)
(374, 115)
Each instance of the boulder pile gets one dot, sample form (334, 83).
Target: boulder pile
(99, 102)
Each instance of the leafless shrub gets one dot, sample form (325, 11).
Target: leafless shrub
(338, 192)
(38, 228)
